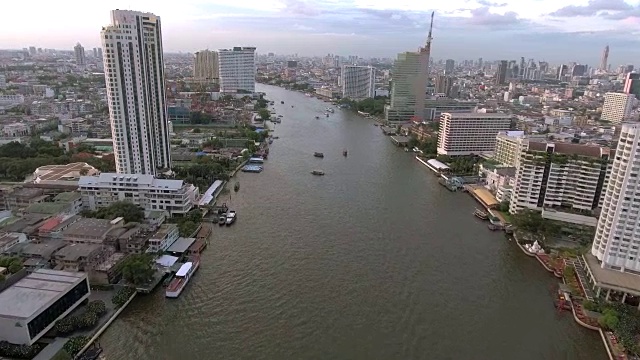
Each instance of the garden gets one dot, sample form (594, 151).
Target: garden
(84, 321)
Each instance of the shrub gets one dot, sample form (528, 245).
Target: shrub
(122, 296)
(19, 351)
(75, 344)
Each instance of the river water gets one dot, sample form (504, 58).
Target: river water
(375, 260)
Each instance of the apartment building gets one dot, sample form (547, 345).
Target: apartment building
(237, 70)
(206, 66)
(470, 133)
(176, 197)
(617, 107)
(358, 82)
(563, 180)
(134, 76)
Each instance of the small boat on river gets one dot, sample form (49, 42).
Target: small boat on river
(344, 152)
(182, 277)
(318, 154)
(481, 214)
(231, 218)
(317, 172)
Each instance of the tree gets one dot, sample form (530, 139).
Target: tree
(75, 344)
(137, 269)
(129, 211)
(609, 319)
(264, 114)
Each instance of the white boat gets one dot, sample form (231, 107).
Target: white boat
(231, 217)
(179, 282)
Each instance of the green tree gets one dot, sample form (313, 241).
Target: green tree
(264, 114)
(128, 210)
(137, 269)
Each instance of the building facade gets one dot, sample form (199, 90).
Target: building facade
(631, 84)
(175, 197)
(617, 107)
(501, 73)
(617, 237)
(237, 70)
(470, 133)
(78, 52)
(408, 87)
(507, 150)
(205, 66)
(560, 177)
(358, 82)
(134, 75)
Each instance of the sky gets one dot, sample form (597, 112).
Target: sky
(550, 30)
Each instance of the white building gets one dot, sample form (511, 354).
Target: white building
(470, 133)
(563, 180)
(11, 100)
(16, 130)
(237, 69)
(358, 82)
(408, 87)
(166, 235)
(78, 51)
(617, 236)
(30, 307)
(507, 149)
(176, 197)
(205, 65)
(3, 82)
(617, 107)
(134, 75)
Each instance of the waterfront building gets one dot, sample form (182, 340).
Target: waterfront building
(30, 307)
(408, 87)
(617, 107)
(78, 51)
(470, 133)
(358, 82)
(175, 197)
(433, 108)
(206, 66)
(507, 150)
(563, 180)
(237, 70)
(134, 74)
(166, 235)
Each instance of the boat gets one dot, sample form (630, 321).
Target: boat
(281, 102)
(277, 120)
(231, 217)
(222, 219)
(279, 116)
(330, 110)
(344, 152)
(326, 114)
(318, 154)
(481, 214)
(182, 277)
(270, 141)
(236, 187)
(317, 117)
(317, 172)
(291, 105)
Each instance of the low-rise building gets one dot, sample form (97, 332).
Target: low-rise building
(81, 257)
(176, 197)
(30, 307)
(108, 271)
(90, 231)
(163, 238)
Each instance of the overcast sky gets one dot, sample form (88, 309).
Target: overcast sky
(551, 30)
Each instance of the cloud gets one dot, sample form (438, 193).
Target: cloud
(491, 4)
(593, 8)
(482, 16)
(300, 7)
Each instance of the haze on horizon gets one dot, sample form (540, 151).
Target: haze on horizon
(551, 30)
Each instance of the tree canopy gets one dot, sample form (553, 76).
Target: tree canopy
(129, 211)
(137, 269)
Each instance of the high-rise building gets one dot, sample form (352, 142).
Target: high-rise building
(358, 82)
(561, 72)
(501, 73)
(134, 75)
(78, 51)
(409, 84)
(605, 58)
(617, 236)
(470, 133)
(449, 65)
(32, 50)
(206, 65)
(100, 54)
(237, 69)
(617, 107)
(480, 63)
(95, 53)
(3, 81)
(632, 84)
(443, 84)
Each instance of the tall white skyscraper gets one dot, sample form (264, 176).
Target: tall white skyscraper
(617, 107)
(237, 68)
(358, 82)
(618, 233)
(134, 75)
(205, 65)
(78, 51)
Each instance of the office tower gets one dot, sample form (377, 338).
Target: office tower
(95, 53)
(561, 72)
(358, 82)
(134, 75)
(470, 133)
(501, 73)
(32, 50)
(449, 66)
(617, 107)
(443, 84)
(522, 66)
(480, 63)
(560, 178)
(628, 69)
(206, 65)
(100, 54)
(237, 70)
(78, 51)
(605, 58)
(579, 70)
(632, 84)
(409, 84)
(615, 243)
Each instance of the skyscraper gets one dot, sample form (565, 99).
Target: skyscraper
(617, 107)
(501, 73)
(78, 51)
(134, 75)
(605, 59)
(443, 84)
(615, 243)
(632, 84)
(358, 82)
(449, 66)
(237, 69)
(205, 65)
(409, 84)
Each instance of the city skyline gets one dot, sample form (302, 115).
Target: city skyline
(464, 29)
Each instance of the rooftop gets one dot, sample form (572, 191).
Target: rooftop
(28, 296)
(49, 208)
(181, 245)
(478, 115)
(612, 278)
(74, 252)
(62, 172)
(570, 148)
(89, 228)
(42, 250)
(108, 179)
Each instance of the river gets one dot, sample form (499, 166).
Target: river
(375, 260)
